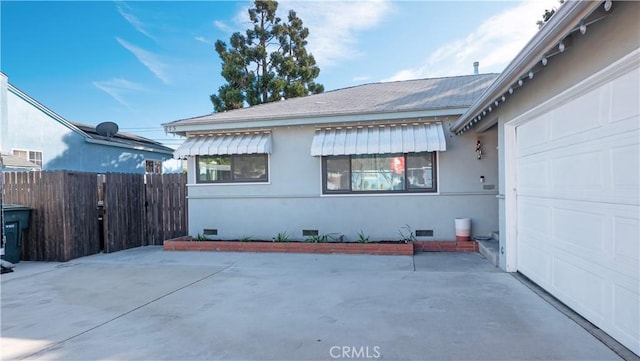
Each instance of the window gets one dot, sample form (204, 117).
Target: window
(379, 173)
(232, 168)
(30, 155)
(153, 166)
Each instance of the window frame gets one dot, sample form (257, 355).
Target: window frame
(406, 190)
(233, 180)
(30, 155)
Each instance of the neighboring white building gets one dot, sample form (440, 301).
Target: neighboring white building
(376, 158)
(568, 113)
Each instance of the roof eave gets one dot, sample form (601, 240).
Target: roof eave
(184, 127)
(559, 26)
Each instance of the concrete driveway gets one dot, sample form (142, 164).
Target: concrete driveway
(147, 304)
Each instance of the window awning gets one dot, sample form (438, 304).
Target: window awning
(223, 144)
(405, 138)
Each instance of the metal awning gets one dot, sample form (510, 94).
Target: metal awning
(223, 144)
(379, 139)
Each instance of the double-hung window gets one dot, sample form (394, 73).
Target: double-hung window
(379, 173)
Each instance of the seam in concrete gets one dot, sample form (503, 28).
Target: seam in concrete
(594, 330)
(53, 345)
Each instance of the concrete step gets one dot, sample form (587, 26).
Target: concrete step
(490, 249)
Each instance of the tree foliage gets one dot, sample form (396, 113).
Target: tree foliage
(269, 62)
(547, 15)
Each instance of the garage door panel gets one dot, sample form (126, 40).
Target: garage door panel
(625, 93)
(580, 228)
(536, 217)
(579, 172)
(626, 311)
(534, 175)
(626, 245)
(537, 263)
(577, 116)
(625, 131)
(579, 287)
(626, 177)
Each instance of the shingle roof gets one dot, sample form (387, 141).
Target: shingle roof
(389, 97)
(123, 138)
(13, 161)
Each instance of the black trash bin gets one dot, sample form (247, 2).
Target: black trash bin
(16, 220)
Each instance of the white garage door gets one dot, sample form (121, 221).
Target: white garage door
(577, 200)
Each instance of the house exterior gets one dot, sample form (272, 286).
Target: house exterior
(37, 135)
(375, 160)
(567, 110)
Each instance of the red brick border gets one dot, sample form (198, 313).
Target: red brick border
(389, 249)
(445, 246)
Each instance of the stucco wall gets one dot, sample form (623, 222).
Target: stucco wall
(603, 43)
(26, 127)
(293, 199)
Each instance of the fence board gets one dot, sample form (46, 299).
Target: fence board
(124, 211)
(138, 210)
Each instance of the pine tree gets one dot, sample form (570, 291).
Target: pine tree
(267, 64)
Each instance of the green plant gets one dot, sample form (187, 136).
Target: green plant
(406, 234)
(200, 238)
(245, 239)
(281, 237)
(362, 237)
(317, 239)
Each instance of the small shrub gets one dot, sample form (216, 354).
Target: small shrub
(281, 237)
(245, 239)
(362, 237)
(200, 238)
(317, 239)
(406, 234)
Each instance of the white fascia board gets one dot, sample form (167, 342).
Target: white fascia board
(560, 24)
(128, 146)
(182, 129)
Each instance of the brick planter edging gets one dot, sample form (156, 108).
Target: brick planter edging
(390, 249)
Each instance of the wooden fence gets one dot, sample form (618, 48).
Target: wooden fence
(135, 209)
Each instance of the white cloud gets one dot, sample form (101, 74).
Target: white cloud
(133, 20)
(203, 40)
(150, 60)
(222, 26)
(494, 44)
(333, 25)
(117, 88)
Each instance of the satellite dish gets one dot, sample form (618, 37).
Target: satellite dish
(107, 129)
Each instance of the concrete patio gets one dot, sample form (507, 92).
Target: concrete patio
(146, 304)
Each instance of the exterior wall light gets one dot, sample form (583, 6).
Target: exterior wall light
(583, 27)
(561, 46)
(544, 60)
(607, 5)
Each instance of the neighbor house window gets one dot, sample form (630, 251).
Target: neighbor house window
(30, 155)
(238, 168)
(379, 173)
(153, 166)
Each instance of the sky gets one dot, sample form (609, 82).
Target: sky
(143, 63)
